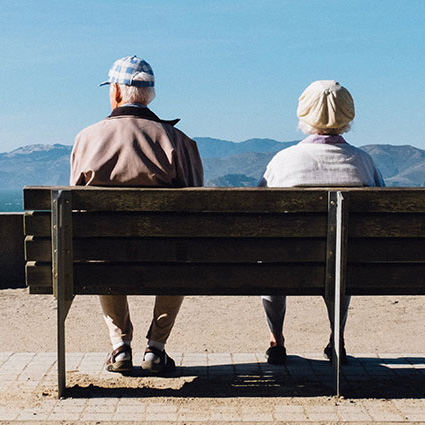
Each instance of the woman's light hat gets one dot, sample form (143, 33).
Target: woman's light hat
(325, 104)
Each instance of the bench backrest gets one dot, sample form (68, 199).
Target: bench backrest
(228, 241)
(386, 241)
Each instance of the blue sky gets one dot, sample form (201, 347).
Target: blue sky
(229, 69)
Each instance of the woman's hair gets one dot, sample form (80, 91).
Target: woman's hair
(308, 129)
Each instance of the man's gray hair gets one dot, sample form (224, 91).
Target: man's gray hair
(143, 95)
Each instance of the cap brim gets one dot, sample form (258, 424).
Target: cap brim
(104, 83)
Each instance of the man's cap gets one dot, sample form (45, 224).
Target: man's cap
(127, 69)
(325, 104)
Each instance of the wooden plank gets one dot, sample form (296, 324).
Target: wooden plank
(216, 279)
(184, 199)
(387, 199)
(204, 250)
(386, 279)
(236, 199)
(38, 277)
(387, 225)
(185, 225)
(368, 250)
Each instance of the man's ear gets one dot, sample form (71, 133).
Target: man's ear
(118, 97)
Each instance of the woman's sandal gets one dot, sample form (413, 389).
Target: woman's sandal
(276, 354)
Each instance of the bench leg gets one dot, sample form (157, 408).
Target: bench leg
(62, 270)
(63, 308)
(340, 261)
(337, 338)
(335, 273)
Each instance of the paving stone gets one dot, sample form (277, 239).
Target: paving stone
(93, 416)
(139, 410)
(224, 417)
(161, 408)
(8, 414)
(64, 416)
(4, 355)
(290, 417)
(135, 402)
(413, 417)
(324, 417)
(103, 401)
(24, 372)
(257, 417)
(30, 415)
(73, 408)
(194, 416)
(157, 417)
(129, 416)
(244, 358)
(100, 408)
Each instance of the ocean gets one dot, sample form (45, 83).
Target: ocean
(10, 200)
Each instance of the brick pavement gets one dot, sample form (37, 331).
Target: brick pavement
(214, 388)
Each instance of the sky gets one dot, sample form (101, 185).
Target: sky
(230, 69)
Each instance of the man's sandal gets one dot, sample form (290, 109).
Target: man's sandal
(157, 362)
(125, 365)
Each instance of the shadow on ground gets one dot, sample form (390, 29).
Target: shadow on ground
(394, 378)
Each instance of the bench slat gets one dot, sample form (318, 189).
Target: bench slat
(38, 277)
(228, 199)
(187, 199)
(386, 279)
(367, 250)
(396, 200)
(207, 279)
(185, 225)
(230, 225)
(226, 250)
(220, 279)
(386, 225)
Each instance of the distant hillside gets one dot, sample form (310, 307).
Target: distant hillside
(35, 165)
(217, 148)
(226, 163)
(399, 165)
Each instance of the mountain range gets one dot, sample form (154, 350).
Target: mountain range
(226, 163)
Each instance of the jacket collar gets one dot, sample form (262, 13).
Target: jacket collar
(145, 113)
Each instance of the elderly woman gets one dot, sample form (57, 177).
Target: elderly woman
(325, 111)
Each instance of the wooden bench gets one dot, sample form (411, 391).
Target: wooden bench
(223, 241)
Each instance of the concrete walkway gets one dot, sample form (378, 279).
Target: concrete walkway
(215, 389)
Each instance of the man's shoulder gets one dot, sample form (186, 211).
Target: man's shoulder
(93, 128)
(132, 124)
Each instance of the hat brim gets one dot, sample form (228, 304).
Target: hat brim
(134, 83)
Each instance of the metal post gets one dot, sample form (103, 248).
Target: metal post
(335, 273)
(340, 262)
(62, 270)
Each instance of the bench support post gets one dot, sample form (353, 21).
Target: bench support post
(62, 270)
(340, 263)
(335, 273)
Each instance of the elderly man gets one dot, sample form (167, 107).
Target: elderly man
(325, 111)
(133, 147)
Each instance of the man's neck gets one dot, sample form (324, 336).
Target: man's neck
(135, 105)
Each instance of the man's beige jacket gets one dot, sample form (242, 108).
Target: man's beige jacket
(133, 147)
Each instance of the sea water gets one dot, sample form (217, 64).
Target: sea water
(10, 200)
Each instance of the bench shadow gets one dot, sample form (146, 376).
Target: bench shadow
(363, 377)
